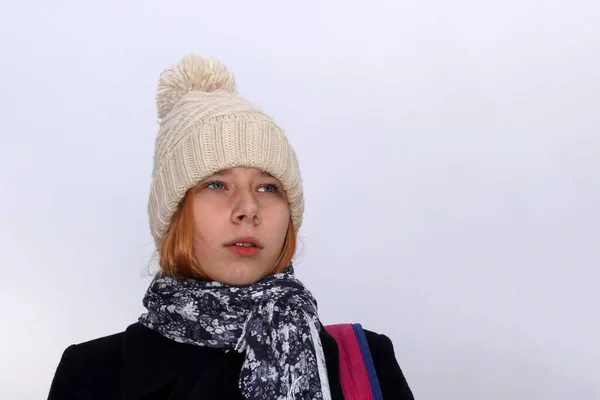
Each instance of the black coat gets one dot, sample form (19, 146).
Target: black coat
(141, 364)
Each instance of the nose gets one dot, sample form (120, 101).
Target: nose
(246, 210)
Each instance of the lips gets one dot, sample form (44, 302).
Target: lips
(245, 239)
(245, 251)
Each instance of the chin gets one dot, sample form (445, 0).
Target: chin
(240, 275)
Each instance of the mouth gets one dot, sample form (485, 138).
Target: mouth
(245, 251)
(245, 241)
(245, 246)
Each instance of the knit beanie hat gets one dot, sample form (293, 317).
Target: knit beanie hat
(205, 127)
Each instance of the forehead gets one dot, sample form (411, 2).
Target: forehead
(231, 171)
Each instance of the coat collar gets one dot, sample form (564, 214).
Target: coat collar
(151, 361)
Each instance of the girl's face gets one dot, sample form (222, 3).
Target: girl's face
(239, 205)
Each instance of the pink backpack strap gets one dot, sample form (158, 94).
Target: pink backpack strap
(357, 373)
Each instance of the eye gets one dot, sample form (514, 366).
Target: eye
(272, 188)
(214, 185)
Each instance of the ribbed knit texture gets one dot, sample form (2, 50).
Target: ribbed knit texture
(204, 128)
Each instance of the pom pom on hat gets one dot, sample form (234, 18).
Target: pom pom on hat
(192, 73)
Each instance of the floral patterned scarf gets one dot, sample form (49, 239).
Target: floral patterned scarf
(274, 321)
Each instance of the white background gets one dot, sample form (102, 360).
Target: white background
(450, 156)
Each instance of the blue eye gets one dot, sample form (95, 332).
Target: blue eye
(216, 185)
(274, 188)
(211, 185)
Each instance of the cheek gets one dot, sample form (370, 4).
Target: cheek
(207, 222)
(280, 219)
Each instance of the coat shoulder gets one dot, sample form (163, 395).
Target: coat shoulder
(97, 353)
(391, 378)
(100, 347)
(89, 369)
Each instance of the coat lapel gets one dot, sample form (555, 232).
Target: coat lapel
(151, 361)
(153, 365)
(332, 359)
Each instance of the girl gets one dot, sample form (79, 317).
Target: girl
(226, 317)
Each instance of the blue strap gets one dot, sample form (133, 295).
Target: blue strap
(368, 359)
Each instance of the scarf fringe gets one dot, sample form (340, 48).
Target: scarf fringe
(320, 355)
